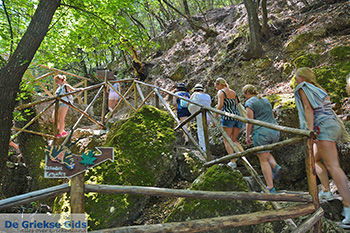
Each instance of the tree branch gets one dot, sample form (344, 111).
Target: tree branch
(10, 25)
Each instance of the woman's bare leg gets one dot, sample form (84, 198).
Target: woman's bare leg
(266, 168)
(327, 151)
(321, 170)
(62, 112)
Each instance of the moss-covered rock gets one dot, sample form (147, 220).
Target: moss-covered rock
(340, 52)
(189, 164)
(220, 178)
(308, 60)
(333, 79)
(299, 41)
(143, 146)
(179, 73)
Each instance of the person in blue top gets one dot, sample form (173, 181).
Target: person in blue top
(259, 108)
(182, 105)
(227, 102)
(315, 113)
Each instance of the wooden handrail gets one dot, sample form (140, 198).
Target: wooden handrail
(34, 196)
(212, 224)
(197, 194)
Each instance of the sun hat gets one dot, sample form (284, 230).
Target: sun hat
(198, 87)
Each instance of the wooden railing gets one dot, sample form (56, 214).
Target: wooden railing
(279, 214)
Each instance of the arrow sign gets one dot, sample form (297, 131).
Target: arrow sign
(61, 163)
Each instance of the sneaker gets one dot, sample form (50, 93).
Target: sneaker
(233, 165)
(276, 172)
(272, 190)
(64, 134)
(58, 135)
(322, 195)
(346, 213)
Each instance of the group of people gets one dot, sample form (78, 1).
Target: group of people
(315, 114)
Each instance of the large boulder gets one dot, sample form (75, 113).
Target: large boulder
(221, 178)
(143, 156)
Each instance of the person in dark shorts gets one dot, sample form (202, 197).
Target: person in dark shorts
(182, 105)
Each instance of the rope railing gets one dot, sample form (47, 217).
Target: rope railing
(136, 87)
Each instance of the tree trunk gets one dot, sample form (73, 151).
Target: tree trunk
(255, 47)
(187, 10)
(12, 72)
(265, 27)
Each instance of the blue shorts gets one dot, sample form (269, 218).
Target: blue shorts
(183, 112)
(330, 130)
(231, 123)
(265, 136)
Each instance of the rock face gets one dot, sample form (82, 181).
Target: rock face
(143, 156)
(220, 178)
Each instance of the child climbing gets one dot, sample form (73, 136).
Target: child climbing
(260, 109)
(63, 88)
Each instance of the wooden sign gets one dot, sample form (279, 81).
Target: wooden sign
(61, 163)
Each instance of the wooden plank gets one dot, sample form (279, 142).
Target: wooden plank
(311, 178)
(87, 108)
(310, 222)
(253, 150)
(53, 98)
(34, 132)
(44, 76)
(104, 98)
(144, 101)
(197, 194)
(46, 91)
(187, 120)
(206, 134)
(34, 196)
(32, 121)
(122, 97)
(212, 224)
(82, 112)
(140, 92)
(64, 72)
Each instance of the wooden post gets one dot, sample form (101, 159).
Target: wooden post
(311, 177)
(206, 134)
(77, 194)
(157, 101)
(135, 95)
(104, 99)
(85, 92)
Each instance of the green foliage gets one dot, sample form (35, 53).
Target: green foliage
(142, 156)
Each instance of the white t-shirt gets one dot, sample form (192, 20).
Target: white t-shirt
(200, 98)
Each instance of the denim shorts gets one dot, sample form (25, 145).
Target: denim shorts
(329, 130)
(265, 136)
(231, 123)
